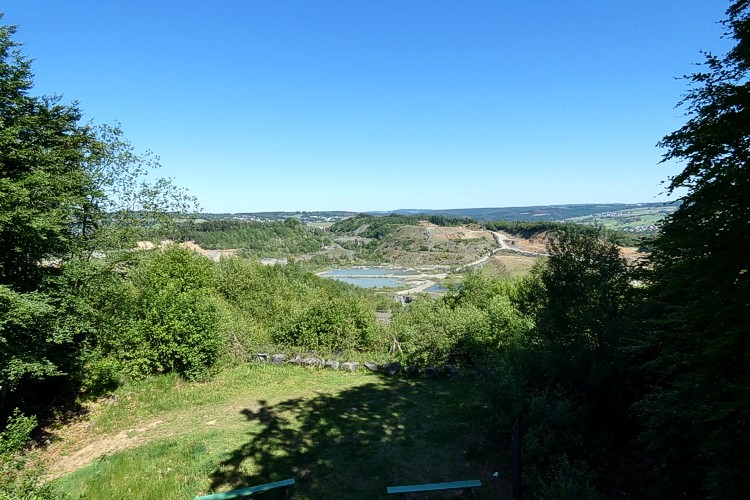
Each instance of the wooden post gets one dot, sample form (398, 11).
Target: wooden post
(516, 450)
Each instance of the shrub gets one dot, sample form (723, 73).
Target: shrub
(19, 476)
(101, 375)
(432, 333)
(337, 324)
(17, 433)
(170, 321)
(28, 347)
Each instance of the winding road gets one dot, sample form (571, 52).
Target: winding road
(425, 281)
(500, 239)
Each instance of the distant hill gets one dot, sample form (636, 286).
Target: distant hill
(575, 213)
(541, 212)
(307, 217)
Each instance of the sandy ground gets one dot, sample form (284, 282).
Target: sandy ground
(454, 232)
(214, 255)
(535, 246)
(632, 255)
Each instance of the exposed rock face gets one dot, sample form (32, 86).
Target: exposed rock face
(391, 368)
(451, 370)
(351, 366)
(262, 357)
(313, 361)
(431, 372)
(277, 359)
(373, 367)
(411, 370)
(332, 363)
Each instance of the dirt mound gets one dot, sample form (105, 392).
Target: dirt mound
(632, 254)
(454, 233)
(537, 243)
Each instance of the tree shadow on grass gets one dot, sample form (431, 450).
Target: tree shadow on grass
(354, 443)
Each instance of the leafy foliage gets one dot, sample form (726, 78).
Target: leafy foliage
(286, 305)
(19, 477)
(380, 227)
(26, 334)
(124, 206)
(696, 416)
(17, 433)
(42, 184)
(587, 291)
(473, 325)
(329, 325)
(169, 322)
(67, 190)
(257, 239)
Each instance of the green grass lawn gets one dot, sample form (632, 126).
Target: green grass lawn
(340, 435)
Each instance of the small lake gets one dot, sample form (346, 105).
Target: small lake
(367, 271)
(369, 277)
(366, 282)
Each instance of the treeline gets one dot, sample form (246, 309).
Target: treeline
(256, 239)
(528, 229)
(379, 227)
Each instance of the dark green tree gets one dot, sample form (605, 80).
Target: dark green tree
(573, 369)
(586, 296)
(43, 193)
(43, 187)
(66, 189)
(697, 414)
(166, 319)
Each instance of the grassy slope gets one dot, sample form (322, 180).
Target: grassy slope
(341, 435)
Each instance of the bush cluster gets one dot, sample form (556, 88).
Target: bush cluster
(19, 476)
(165, 319)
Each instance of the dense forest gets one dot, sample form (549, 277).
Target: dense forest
(378, 227)
(631, 382)
(255, 239)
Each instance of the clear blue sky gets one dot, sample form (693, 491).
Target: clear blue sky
(258, 105)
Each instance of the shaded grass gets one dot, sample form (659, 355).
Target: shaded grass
(341, 435)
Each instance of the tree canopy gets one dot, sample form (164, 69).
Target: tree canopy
(697, 414)
(43, 185)
(67, 188)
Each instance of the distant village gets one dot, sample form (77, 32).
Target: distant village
(305, 217)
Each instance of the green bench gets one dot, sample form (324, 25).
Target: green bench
(404, 491)
(250, 491)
